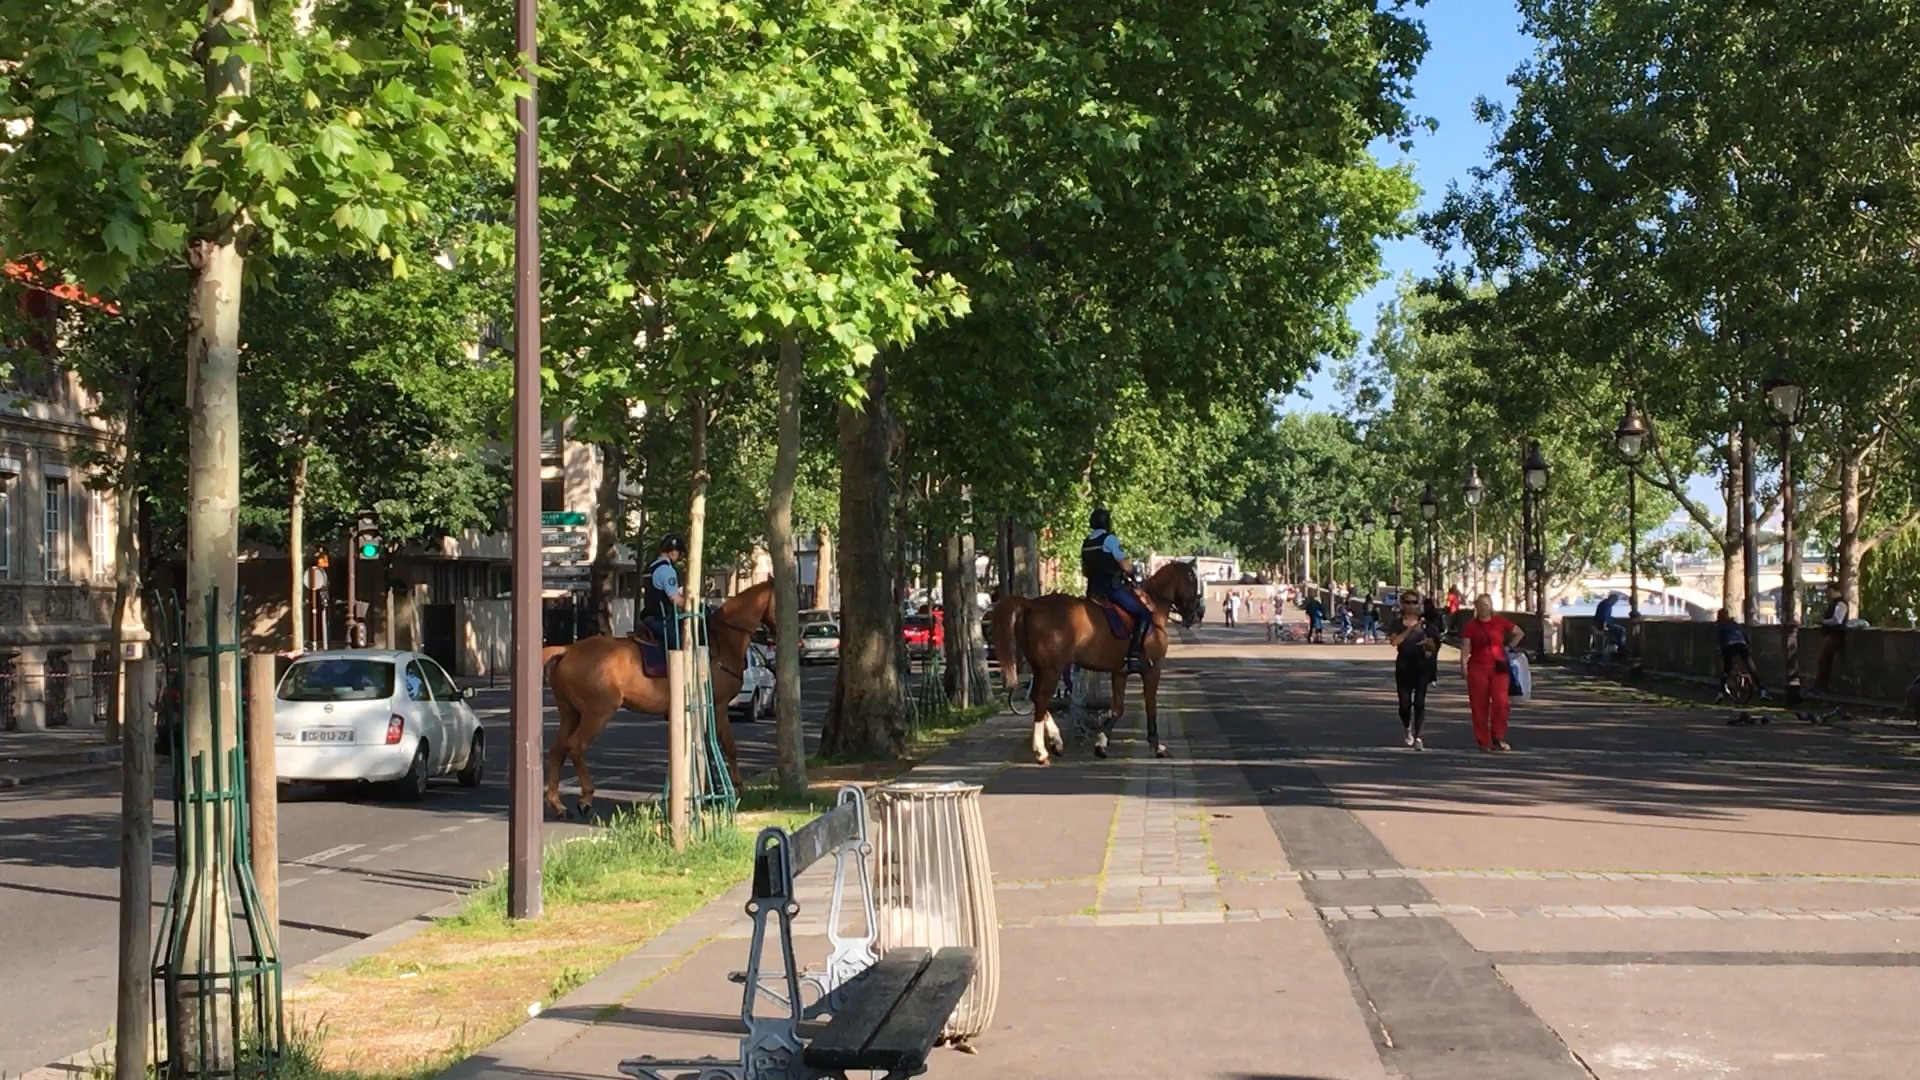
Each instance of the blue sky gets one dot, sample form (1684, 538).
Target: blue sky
(1475, 45)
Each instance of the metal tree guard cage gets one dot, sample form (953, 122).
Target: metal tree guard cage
(715, 802)
(217, 1002)
(934, 887)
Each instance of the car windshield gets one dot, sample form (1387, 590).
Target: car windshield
(919, 622)
(338, 679)
(821, 630)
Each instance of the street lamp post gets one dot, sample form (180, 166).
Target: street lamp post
(1333, 559)
(524, 809)
(1534, 473)
(1394, 517)
(1366, 530)
(1788, 402)
(1473, 492)
(1429, 512)
(1631, 436)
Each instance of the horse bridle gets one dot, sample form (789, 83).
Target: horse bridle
(743, 631)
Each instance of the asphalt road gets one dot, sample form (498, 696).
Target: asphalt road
(351, 866)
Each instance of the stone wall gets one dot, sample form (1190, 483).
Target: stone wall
(1876, 663)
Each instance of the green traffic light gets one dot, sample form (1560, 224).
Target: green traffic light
(369, 551)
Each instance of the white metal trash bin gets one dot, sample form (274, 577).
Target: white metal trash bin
(933, 886)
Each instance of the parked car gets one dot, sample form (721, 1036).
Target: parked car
(375, 716)
(755, 699)
(923, 633)
(820, 643)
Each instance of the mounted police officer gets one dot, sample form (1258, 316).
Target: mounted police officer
(661, 596)
(1109, 575)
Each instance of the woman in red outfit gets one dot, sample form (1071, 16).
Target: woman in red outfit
(1484, 642)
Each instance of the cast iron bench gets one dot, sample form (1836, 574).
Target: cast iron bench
(885, 1015)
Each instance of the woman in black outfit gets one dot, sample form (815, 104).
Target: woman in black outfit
(1415, 644)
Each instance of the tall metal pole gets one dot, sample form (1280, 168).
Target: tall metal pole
(525, 814)
(1749, 526)
(1476, 566)
(1399, 559)
(1633, 567)
(1789, 570)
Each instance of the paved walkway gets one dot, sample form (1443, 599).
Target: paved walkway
(1638, 891)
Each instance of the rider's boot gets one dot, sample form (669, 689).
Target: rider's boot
(1136, 647)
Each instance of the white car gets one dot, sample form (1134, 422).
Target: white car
(820, 642)
(755, 698)
(375, 716)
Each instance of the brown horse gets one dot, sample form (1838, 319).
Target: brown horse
(592, 678)
(1058, 629)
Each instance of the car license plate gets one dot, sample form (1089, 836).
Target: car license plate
(327, 735)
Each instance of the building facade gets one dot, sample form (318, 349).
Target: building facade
(57, 552)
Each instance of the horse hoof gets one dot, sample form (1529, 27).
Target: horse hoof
(1160, 751)
(1041, 759)
(1100, 750)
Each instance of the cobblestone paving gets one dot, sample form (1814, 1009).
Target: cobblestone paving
(1158, 861)
(1505, 875)
(1466, 911)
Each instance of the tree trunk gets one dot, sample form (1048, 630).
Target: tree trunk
(902, 523)
(1024, 560)
(789, 738)
(206, 1042)
(1733, 580)
(126, 568)
(1850, 541)
(697, 503)
(606, 527)
(296, 550)
(966, 654)
(865, 717)
(823, 569)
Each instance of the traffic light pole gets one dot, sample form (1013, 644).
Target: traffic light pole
(353, 588)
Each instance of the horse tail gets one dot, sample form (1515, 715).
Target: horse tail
(1009, 624)
(549, 657)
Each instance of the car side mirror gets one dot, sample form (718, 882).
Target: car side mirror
(466, 693)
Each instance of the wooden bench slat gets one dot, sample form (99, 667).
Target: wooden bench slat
(870, 1000)
(910, 1031)
(819, 837)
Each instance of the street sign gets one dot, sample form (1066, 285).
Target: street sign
(567, 570)
(563, 517)
(316, 578)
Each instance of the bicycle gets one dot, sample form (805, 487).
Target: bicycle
(1604, 648)
(1739, 686)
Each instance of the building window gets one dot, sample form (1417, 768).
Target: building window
(55, 541)
(102, 549)
(6, 527)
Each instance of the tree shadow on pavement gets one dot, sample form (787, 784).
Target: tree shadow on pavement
(1295, 728)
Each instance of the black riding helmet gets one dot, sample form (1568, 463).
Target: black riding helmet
(672, 542)
(1102, 519)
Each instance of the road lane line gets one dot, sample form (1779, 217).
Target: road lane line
(288, 883)
(451, 828)
(394, 847)
(423, 836)
(368, 857)
(319, 857)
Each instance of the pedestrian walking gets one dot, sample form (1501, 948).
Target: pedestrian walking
(1484, 642)
(1233, 608)
(1415, 654)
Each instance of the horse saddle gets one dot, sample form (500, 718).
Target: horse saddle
(653, 655)
(1118, 620)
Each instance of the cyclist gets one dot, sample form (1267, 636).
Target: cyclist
(1733, 645)
(1604, 622)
